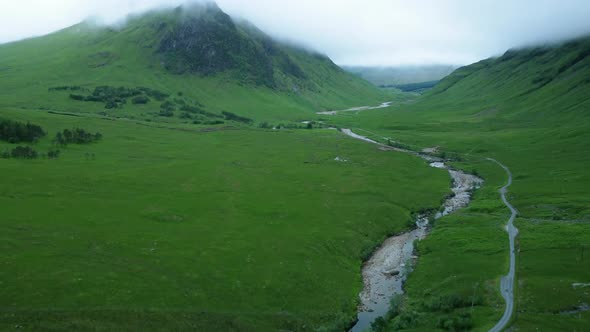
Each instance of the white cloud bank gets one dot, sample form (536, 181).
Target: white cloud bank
(352, 32)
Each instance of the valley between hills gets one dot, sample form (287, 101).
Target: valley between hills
(188, 172)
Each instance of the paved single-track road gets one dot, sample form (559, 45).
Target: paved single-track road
(507, 283)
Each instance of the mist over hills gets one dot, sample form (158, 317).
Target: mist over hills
(186, 171)
(390, 76)
(195, 45)
(539, 82)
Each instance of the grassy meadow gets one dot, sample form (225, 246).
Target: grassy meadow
(171, 227)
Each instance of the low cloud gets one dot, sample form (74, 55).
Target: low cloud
(352, 32)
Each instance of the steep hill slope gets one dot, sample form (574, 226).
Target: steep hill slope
(549, 81)
(198, 52)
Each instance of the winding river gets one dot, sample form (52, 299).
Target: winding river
(387, 269)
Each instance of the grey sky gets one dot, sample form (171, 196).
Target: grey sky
(352, 32)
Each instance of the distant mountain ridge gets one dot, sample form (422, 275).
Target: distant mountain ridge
(401, 75)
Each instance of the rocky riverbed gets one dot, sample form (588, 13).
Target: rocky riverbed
(387, 269)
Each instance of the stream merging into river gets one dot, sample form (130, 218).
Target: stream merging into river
(387, 269)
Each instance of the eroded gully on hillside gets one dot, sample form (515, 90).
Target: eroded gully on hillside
(388, 268)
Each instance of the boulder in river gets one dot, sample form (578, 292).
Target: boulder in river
(391, 273)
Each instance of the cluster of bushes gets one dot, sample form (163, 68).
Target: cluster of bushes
(157, 95)
(402, 317)
(308, 125)
(76, 136)
(210, 122)
(67, 88)
(140, 100)
(21, 152)
(26, 152)
(198, 115)
(115, 97)
(16, 132)
(234, 117)
(198, 110)
(167, 109)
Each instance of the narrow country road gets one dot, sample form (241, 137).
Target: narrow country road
(507, 282)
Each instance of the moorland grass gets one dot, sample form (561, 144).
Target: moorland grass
(159, 226)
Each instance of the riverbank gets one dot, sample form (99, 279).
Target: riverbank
(387, 269)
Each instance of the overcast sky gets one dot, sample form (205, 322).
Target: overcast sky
(351, 32)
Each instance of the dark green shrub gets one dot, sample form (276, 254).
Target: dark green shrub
(157, 95)
(379, 325)
(197, 110)
(114, 97)
(24, 152)
(214, 122)
(168, 106)
(111, 104)
(462, 322)
(76, 136)
(405, 321)
(53, 154)
(166, 113)
(140, 100)
(77, 97)
(234, 117)
(179, 101)
(66, 88)
(16, 132)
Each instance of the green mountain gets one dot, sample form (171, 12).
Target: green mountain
(196, 51)
(539, 84)
(530, 110)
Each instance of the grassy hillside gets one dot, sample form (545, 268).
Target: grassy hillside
(530, 110)
(198, 52)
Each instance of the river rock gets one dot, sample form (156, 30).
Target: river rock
(391, 273)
